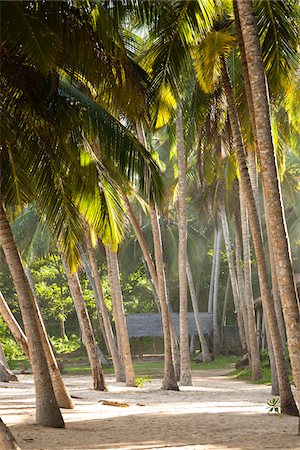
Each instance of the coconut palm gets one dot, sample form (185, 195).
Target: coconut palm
(274, 209)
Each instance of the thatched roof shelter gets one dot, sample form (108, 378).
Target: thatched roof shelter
(150, 324)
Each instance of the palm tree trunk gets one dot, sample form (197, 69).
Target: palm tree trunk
(86, 328)
(288, 405)
(204, 347)
(273, 202)
(47, 410)
(241, 284)
(169, 381)
(212, 276)
(256, 370)
(119, 369)
(234, 284)
(13, 326)
(216, 332)
(185, 366)
(5, 373)
(119, 314)
(7, 441)
(87, 268)
(62, 396)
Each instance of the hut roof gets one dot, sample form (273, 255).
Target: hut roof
(150, 324)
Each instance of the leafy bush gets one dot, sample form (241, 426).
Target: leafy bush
(65, 345)
(11, 349)
(265, 361)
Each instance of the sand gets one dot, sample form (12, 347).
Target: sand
(216, 413)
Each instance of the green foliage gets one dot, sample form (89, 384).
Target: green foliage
(274, 406)
(140, 381)
(11, 349)
(264, 357)
(65, 344)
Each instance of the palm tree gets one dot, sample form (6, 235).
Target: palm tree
(119, 370)
(119, 315)
(185, 369)
(274, 210)
(86, 328)
(47, 411)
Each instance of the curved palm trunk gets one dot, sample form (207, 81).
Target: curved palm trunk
(13, 326)
(234, 284)
(204, 347)
(288, 405)
(216, 333)
(87, 330)
(119, 369)
(185, 366)
(47, 410)
(7, 441)
(256, 370)
(62, 396)
(118, 308)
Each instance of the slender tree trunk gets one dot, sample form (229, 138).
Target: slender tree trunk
(118, 308)
(7, 441)
(226, 300)
(169, 381)
(212, 276)
(275, 385)
(62, 396)
(234, 285)
(13, 326)
(241, 286)
(5, 373)
(216, 332)
(47, 410)
(86, 328)
(256, 370)
(119, 369)
(288, 405)
(204, 347)
(185, 366)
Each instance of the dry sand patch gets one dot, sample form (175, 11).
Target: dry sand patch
(217, 413)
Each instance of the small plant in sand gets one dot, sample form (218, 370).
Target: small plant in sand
(274, 406)
(140, 381)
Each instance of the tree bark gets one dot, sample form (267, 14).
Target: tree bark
(255, 364)
(241, 285)
(5, 373)
(212, 275)
(169, 381)
(119, 314)
(86, 328)
(13, 326)
(185, 366)
(118, 367)
(288, 405)
(47, 410)
(216, 332)
(62, 396)
(234, 285)
(204, 347)
(7, 441)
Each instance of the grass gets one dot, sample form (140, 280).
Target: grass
(245, 374)
(155, 368)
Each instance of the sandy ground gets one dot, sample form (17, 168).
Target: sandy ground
(216, 413)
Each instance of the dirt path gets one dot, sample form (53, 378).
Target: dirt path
(217, 413)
